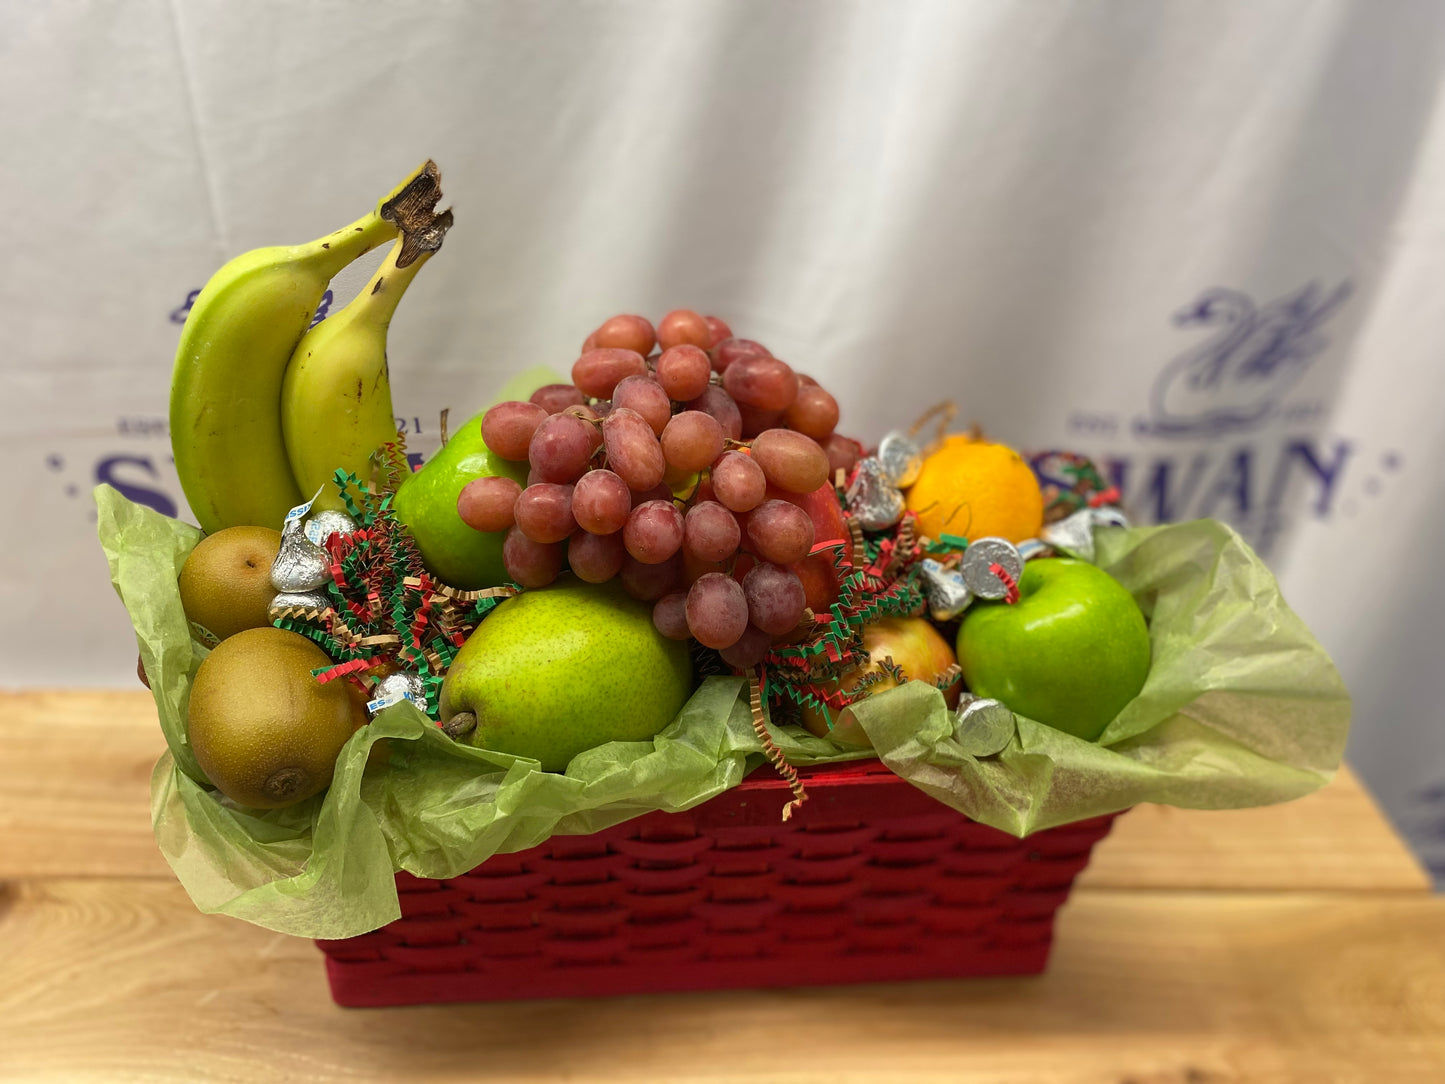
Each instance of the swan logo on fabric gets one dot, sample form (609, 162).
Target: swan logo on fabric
(1238, 377)
(1226, 432)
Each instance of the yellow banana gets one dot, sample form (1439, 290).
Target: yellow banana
(241, 332)
(336, 400)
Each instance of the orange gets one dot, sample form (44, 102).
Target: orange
(975, 489)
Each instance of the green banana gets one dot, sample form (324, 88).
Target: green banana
(225, 412)
(336, 399)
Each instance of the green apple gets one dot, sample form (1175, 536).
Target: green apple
(426, 503)
(1071, 652)
(560, 669)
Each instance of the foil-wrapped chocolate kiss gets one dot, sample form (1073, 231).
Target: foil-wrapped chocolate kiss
(872, 499)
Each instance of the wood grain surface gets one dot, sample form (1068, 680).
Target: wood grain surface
(1298, 943)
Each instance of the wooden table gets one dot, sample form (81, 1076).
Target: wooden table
(1295, 943)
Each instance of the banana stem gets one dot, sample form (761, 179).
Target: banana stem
(409, 210)
(337, 250)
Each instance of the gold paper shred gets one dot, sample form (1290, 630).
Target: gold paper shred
(902, 548)
(855, 534)
(385, 639)
(945, 413)
(907, 538)
(774, 754)
(949, 676)
(471, 596)
(300, 613)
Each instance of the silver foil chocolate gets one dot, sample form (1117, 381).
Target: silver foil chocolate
(1109, 517)
(873, 500)
(394, 688)
(300, 565)
(983, 726)
(305, 604)
(900, 459)
(948, 595)
(1073, 535)
(323, 525)
(977, 564)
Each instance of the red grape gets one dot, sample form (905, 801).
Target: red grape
(814, 413)
(719, 330)
(650, 582)
(660, 492)
(669, 616)
(644, 395)
(710, 532)
(600, 502)
(627, 333)
(731, 350)
(717, 610)
(544, 512)
(738, 482)
(684, 372)
(486, 504)
(842, 453)
(791, 461)
(751, 648)
(587, 413)
(780, 532)
(598, 371)
(720, 405)
(683, 326)
(765, 383)
(596, 558)
(632, 449)
(756, 421)
(692, 440)
(561, 448)
(775, 598)
(531, 564)
(653, 532)
(507, 428)
(555, 398)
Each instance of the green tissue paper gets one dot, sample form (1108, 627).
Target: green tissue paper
(1242, 707)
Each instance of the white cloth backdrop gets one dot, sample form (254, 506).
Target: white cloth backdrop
(1203, 241)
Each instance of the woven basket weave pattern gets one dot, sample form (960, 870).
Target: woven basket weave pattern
(871, 881)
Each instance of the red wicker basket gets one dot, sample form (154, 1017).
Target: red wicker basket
(871, 881)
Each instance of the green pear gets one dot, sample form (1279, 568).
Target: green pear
(554, 671)
(426, 503)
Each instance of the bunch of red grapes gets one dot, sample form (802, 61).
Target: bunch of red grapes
(606, 451)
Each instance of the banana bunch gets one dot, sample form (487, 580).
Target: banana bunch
(249, 435)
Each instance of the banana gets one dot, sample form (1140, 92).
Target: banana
(336, 399)
(225, 412)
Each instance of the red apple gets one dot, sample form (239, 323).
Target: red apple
(819, 576)
(914, 645)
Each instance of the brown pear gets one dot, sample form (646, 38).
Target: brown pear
(265, 731)
(226, 581)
